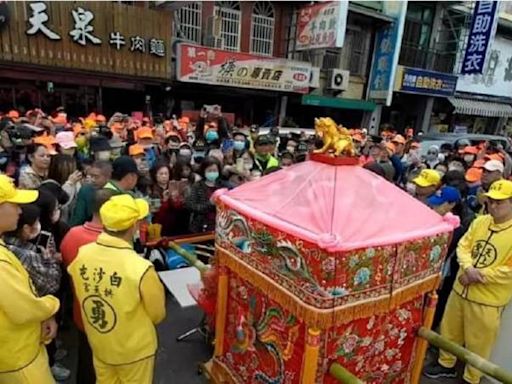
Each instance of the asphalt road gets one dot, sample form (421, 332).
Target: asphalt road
(177, 362)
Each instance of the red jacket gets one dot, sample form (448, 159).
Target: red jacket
(74, 239)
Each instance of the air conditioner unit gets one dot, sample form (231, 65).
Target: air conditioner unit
(214, 42)
(338, 79)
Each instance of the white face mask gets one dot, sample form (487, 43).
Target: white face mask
(103, 155)
(290, 149)
(468, 158)
(185, 152)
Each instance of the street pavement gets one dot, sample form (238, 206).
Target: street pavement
(177, 362)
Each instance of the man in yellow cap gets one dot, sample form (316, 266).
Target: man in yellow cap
(483, 286)
(26, 320)
(120, 296)
(427, 183)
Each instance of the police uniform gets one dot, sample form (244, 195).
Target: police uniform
(23, 358)
(121, 298)
(473, 312)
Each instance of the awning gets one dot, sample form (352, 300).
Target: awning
(338, 102)
(480, 108)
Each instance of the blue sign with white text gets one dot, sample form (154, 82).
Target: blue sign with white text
(420, 81)
(480, 37)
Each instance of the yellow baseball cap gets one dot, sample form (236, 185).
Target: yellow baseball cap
(123, 211)
(9, 193)
(427, 178)
(500, 190)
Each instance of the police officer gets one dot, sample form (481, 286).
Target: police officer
(120, 296)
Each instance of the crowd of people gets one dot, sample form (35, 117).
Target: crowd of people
(86, 183)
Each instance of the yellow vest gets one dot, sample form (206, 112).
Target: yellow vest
(21, 314)
(106, 276)
(487, 247)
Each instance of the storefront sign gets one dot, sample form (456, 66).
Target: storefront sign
(480, 37)
(97, 36)
(387, 51)
(420, 81)
(206, 65)
(496, 79)
(322, 25)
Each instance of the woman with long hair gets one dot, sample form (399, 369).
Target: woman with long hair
(63, 170)
(32, 175)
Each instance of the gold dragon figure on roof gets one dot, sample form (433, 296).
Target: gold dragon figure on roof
(336, 138)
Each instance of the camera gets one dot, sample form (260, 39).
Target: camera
(18, 133)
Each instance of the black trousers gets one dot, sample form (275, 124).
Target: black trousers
(85, 371)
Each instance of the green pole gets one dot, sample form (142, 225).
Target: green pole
(190, 257)
(466, 356)
(342, 375)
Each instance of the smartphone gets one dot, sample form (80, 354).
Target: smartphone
(43, 239)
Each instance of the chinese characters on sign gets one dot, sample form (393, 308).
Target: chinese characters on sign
(100, 285)
(419, 81)
(387, 47)
(480, 37)
(83, 31)
(213, 66)
(322, 25)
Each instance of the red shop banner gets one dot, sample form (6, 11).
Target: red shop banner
(205, 65)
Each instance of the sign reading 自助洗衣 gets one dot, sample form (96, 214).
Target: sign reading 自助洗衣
(95, 36)
(322, 25)
(421, 81)
(387, 50)
(480, 37)
(196, 64)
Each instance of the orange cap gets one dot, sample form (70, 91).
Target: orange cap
(398, 139)
(473, 174)
(479, 163)
(92, 116)
(48, 141)
(495, 156)
(391, 148)
(144, 133)
(135, 150)
(13, 114)
(471, 150)
(101, 119)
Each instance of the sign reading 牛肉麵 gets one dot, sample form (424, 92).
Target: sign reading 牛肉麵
(92, 36)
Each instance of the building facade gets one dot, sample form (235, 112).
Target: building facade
(85, 56)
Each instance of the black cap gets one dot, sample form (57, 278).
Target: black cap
(123, 166)
(99, 143)
(264, 140)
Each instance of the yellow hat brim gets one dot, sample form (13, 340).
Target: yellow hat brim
(421, 182)
(143, 208)
(495, 195)
(23, 196)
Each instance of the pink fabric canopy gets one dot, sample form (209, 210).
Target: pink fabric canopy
(337, 207)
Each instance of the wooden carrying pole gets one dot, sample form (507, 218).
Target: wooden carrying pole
(422, 344)
(466, 356)
(342, 375)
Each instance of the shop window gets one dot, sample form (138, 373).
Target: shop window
(262, 35)
(230, 27)
(188, 22)
(355, 51)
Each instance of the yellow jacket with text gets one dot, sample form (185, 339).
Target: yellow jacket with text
(488, 247)
(21, 314)
(121, 300)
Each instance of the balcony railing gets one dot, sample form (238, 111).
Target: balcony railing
(411, 56)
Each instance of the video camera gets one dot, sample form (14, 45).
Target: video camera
(18, 133)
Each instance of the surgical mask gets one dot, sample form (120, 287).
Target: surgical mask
(239, 145)
(431, 156)
(103, 155)
(468, 158)
(211, 176)
(185, 152)
(290, 149)
(211, 136)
